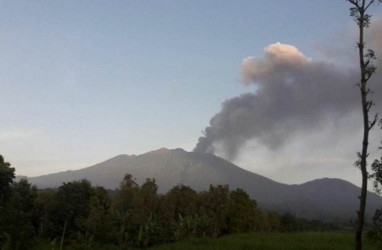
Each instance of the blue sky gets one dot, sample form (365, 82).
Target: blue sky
(83, 81)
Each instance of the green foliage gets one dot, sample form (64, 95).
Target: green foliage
(375, 233)
(180, 200)
(215, 205)
(192, 226)
(140, 217)
(377, 175)
(125, 220)
(7, 242)
(289, 223)
(80, 216)
(376, 167)
(358, 11)
(7, 174)
(43, 207)
(135, 214)
(242, 214)
(19, 218)
(97, 223)
(69, 211)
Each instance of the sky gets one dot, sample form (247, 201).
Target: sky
(84, 81)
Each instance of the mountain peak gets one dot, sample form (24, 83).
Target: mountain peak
(120, 157)
(318, 199)
(164, 150)
(160, 151)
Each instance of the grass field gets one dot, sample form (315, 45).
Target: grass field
(255, 241)
(273, 241)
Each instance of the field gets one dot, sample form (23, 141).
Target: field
(251, 241)
(272, 241)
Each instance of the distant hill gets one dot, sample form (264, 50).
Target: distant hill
(328, 199)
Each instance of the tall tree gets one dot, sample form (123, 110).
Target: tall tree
(71, 208)
(359, 11)
(19, 217)
(7, 174)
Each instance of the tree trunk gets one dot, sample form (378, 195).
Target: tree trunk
(366, 130)
(63, 234)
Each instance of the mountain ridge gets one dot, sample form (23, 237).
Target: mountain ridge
(325, 198)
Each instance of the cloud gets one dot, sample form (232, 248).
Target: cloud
(374, 36)
(294, 96)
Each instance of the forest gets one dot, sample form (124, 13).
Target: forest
(81, 215)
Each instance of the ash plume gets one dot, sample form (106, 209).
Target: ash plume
(293, 94)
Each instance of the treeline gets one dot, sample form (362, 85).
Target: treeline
(82, 215)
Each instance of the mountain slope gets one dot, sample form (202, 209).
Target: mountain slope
(319, 199)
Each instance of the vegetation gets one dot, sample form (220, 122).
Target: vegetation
(274, 241)
(376, 232)
(7, 174)
(78, 215)
(367, 68)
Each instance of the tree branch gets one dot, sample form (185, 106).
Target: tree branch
(367, 6)
(373, 122)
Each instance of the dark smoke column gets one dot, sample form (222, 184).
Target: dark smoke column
(204, 144)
